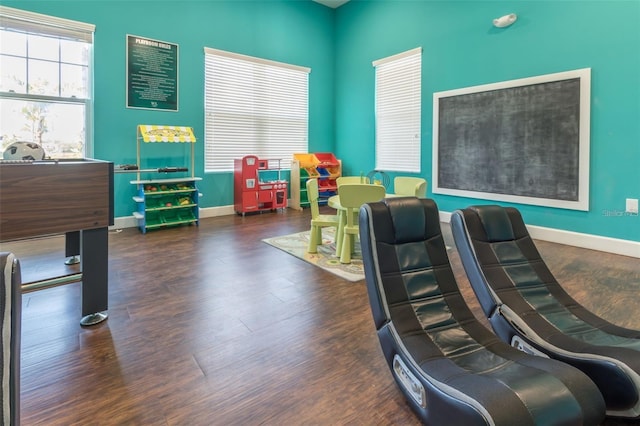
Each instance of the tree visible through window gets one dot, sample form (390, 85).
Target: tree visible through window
(45, 82)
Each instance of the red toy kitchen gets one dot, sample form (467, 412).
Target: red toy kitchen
(251, 193)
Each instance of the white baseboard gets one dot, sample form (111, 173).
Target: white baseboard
(124, 222)
(217, 211)
(576, 239)
(588, 241)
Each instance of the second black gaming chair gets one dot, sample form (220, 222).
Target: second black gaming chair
(451, 368)
(528, 308)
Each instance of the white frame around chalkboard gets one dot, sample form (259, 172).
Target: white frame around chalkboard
(582, 202)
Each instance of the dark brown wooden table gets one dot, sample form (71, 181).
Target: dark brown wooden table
(74, 197)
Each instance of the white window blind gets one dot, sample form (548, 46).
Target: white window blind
(253, 106)
(398, 111)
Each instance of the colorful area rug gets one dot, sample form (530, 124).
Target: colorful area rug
(325, 258)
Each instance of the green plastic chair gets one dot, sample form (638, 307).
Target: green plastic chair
(318, 221)
(410, 186)
(352, 197)
(342, 180)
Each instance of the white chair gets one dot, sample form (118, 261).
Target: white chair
(318, 221)
(351, 198)
(410, 186)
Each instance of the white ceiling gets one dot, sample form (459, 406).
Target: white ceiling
(332, 3)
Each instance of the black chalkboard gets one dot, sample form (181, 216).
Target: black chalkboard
(522, 141)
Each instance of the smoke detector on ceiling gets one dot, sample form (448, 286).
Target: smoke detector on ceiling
(505, 21)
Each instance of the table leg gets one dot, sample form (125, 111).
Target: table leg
(72, 247)
(342, 220)
(95, 275)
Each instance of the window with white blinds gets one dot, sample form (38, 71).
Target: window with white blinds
(253, 106)
(398, 111)
(46, 82)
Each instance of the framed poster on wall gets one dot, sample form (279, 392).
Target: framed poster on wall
(152, 74)
(524, 141)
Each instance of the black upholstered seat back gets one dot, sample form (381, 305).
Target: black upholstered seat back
(501, 242)
(520, 279)
(413, 280)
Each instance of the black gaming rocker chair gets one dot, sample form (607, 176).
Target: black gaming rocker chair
(528, 308)
(10, 323)
(450, 367)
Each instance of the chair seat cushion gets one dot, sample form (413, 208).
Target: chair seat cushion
(325, 220)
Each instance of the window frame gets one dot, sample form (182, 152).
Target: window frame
(63, 29)
(398, 128)
(250, 82)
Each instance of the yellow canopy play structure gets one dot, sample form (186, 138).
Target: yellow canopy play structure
(165, 134)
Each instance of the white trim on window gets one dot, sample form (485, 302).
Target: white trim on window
(38, 23)
(398, 56)
(239, 56)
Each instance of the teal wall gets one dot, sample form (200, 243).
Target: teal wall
(461, 48)
(296, 32)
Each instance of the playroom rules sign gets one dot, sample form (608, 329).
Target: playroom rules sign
(152, 74)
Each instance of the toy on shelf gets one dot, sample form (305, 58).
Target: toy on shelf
(323, 166)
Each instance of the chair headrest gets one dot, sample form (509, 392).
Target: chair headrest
(495, 221)
(412, 219)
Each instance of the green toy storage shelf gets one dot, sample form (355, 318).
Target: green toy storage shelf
(166, 202)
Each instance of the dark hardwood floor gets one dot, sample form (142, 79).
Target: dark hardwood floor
(210, 326)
